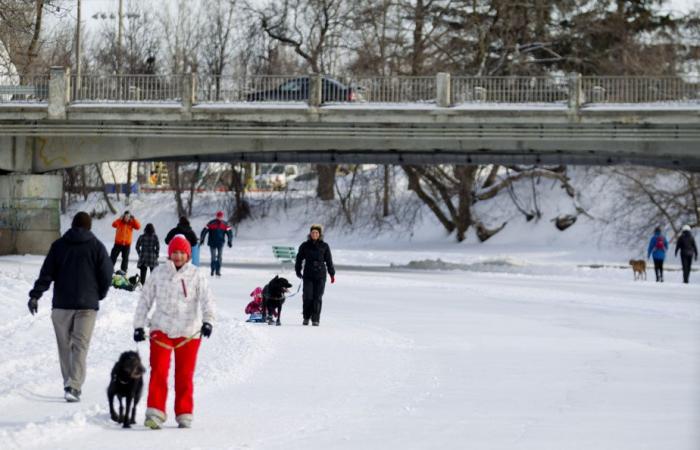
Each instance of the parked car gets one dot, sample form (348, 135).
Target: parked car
(276, 176)
(297, 89)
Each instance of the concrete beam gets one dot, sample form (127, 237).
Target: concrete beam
(29, 213)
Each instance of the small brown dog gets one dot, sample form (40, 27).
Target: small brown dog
(639, 268)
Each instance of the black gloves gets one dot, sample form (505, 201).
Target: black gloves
(298, 274)
(206, 329)
(139, 335)
(230, 244)
(33, 305)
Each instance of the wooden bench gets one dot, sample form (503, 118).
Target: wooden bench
(284, 254)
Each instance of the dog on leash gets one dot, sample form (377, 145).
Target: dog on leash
(126, 383)
(273, 295)
(639, 268)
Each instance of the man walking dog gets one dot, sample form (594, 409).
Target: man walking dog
(81, 271)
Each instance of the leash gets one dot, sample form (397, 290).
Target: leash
(173, 347)
(292, 295)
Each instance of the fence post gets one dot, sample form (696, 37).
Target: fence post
(315, 89)
(59, 92)
(576, 97)
(443, 88)
(189, 89)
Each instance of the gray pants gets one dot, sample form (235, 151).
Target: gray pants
(73, 329)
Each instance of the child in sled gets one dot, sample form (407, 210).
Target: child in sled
(254, 308)
(120, 281)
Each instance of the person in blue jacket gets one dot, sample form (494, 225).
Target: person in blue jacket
(219, 232)
(657, 250)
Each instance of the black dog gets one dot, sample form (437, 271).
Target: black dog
(126, 382)
(273, 299)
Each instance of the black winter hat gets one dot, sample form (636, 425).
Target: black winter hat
(82, 220)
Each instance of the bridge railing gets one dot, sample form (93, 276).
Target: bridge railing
(24, 89)
(511, 89)
(127, 88)
(642, 89)
(265, 88)
(444, 90)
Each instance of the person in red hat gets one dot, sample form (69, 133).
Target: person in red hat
(219, 232)
(183, 312)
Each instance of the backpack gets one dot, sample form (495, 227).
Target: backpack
(660, 243)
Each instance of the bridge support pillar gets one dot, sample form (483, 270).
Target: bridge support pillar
(29, 212)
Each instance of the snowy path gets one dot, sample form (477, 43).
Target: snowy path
(402, 360)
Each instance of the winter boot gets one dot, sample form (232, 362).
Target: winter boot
(184, 421)
(71, 395)
(154, 419)
(305, 322)
(314, 324)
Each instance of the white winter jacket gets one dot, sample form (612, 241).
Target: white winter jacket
(182, 301)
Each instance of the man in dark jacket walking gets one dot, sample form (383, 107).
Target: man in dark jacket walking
(686, 245)
(316, 257)
(81, 271)
(219, 232)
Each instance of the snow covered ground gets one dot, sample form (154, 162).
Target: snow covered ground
(523, 347)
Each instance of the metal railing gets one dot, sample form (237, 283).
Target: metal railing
(255, 88)
(27, 89)
(567, 90)
(390, 89)
(511, 89)
(628, 89)
(127, 88)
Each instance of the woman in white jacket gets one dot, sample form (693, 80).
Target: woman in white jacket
(182, 311)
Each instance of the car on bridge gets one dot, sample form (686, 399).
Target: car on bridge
(297, 89)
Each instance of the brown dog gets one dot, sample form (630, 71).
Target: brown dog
(639, 268)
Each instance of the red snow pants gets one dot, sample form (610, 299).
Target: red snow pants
(185, 360)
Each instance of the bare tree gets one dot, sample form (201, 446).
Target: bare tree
(657, 197)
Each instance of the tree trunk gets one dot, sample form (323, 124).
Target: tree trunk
(128, 180)
(242, 210)
(385, 199)
(193, 184)
(326, 181)
(174, 171)
(104, 189)
(465, 175)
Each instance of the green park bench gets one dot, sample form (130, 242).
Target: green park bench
(284, 254)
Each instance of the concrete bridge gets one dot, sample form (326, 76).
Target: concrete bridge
(453, 124)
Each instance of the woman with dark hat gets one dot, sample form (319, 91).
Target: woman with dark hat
(147, 247)
(315, 254)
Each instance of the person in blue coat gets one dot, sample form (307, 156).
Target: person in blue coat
(219, 232)
(657, 250)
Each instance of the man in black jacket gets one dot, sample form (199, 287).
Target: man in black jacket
(81, 270)
(686, 245)
(316, 256)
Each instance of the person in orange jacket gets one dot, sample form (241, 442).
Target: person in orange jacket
(122, 240)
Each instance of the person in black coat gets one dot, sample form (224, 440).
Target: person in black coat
(686, 245)
(148, 248)
(80, 269)
(183, 227)
(315, 254)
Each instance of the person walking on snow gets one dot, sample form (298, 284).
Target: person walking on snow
(81, 272)
(122, 239)
(657, 249)
(686, 245)
(183, 311)
(316, 257)
(147, 247)
(219, 231)
(183, 227)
